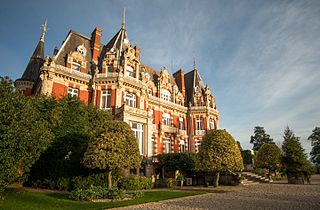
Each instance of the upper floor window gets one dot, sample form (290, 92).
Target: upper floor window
(181, 123)
(73, 92)
(130, 99)
(199, 123)
(165, 95)
(211, 124)
(109, 68)
(166, 119)
(105, 99)
(75, 66)
(129, 71)
(149, 92)
(179, 102)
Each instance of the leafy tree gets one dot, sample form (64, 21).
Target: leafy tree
(24, 134)
(114, 148)
(315, 142)
(294, 160)
(269, 157)
(184, 162)
(260, 137)
(247, 156)
(219, 151)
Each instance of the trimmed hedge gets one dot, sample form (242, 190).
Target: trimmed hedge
(135, 183)
(97, 193)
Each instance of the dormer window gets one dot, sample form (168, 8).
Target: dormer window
(129, 71)
(165, 95)
(75, 66)
(81, 49)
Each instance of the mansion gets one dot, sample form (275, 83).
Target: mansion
(167, 113)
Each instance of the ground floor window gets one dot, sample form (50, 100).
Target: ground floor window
(167, 146)
(137, 129)
(73, 92)
(182, 146)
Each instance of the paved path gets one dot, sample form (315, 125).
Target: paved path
(278, 195)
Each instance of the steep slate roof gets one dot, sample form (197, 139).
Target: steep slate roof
(115, 42)
(70, 44)
(192, 80)
(32, 70)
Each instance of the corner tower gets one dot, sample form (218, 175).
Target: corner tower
(31, 74)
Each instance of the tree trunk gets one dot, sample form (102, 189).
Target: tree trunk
(216, 179)
(109, 179)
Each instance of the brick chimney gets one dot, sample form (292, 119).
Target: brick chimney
(137, 50)
(95, 38)
(179, 77)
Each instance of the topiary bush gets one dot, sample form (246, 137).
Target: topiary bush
(135, 183)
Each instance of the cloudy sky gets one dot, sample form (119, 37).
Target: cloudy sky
(260, 58)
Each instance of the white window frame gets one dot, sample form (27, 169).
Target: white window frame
(166, 119)
(182, 146)
(211, 124)
(137, 129)
(165, 95)
(75, 66)
(167, 145)
(181, 123)
(130, 99)
(73, 92)
(199, 123)
(130, 71)
(105, 99)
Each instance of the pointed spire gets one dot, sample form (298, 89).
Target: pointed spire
(44, 30)
(194, 64)
(123, 17)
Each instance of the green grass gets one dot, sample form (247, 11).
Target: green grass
(20, 199)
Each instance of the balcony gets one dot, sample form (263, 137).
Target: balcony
(72, 73)
(169, 129)
(182, 132)
(133, 111)
(200, 132)
(106, 75)
(132, 80)
(204, 109)
(168, 103)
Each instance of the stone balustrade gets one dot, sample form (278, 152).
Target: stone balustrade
(71, 72)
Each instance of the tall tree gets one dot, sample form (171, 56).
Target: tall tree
(24, 134)
(315, 142)
(294, 160)
(218, 152)
(114, 148)
(260, 137)
(269, 157)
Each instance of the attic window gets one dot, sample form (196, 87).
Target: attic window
(81, 49)
(75, 66)
(165, 95)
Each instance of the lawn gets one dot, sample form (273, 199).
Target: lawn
(19, 199)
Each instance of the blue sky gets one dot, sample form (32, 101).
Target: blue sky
(260, 58)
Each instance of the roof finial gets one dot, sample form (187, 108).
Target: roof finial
(44, 30)
(194, 63)
(123, 17)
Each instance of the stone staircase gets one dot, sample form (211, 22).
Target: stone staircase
(252, 178)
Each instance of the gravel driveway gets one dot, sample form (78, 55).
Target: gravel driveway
(278, 195)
